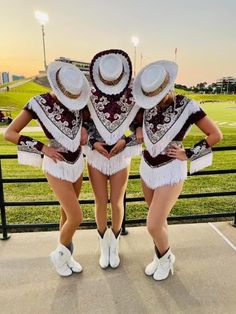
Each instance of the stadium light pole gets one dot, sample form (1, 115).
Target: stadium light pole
(42, 18)
(135, 42)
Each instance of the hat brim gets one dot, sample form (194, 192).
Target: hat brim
(148, 102)
(71, 104)
(125, 80)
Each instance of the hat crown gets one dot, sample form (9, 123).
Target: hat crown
(110, 67)
(71, 78)
(152, 78)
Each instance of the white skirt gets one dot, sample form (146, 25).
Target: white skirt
(114, 164)
(168, 174)
(64, 170)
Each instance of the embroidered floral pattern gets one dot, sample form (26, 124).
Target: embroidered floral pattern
(55, 144)
(112, 112)
(66, 121)
(28, 144)
(69, 157)
(157, 121)
(94, 136)
(200, 149)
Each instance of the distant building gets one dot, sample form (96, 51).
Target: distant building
(83, 66)
(17, 77)
(5, 77)
(226, 80)
(226, 84)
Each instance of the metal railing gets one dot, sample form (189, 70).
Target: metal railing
(4, 227)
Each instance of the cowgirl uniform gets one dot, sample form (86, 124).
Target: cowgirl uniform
(163, 127)
(63, 129)
(110, 119)
(112, 110)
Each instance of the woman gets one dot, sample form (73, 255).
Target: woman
(166, 119)
(58, 112)
(109, 152)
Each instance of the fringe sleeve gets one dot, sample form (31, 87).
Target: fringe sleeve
(93, 134)
(29, 151)
(200, 156)
(138, 121)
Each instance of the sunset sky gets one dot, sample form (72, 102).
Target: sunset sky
(203, 31)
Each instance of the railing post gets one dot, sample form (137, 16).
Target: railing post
(234, 223)
(5, 236)
(123, 229)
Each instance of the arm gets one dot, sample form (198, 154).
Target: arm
(137, 134)
(208, 127)
(94, 139)
(13, 135)
(136, 126)
(129, 141)
(85, 126)
(84, 136)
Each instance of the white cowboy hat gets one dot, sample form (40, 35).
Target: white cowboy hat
(69, 85)
(111, 71)
(154, 82)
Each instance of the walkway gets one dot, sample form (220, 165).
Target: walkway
(204, 280)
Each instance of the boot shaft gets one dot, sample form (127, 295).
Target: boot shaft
(61, 255)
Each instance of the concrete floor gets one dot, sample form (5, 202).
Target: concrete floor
(204, 279)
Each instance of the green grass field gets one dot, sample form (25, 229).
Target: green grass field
(18, 96)
(207, 97)
(11, 83)
(222, 112)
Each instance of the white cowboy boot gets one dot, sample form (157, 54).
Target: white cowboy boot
(104, 249)
(74, 265)
(60, 258)
(114, 250)
(152, 267)
(166, 263)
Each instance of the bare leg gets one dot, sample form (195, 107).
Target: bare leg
(99, 185)
(65, 193)
(77, 187)
(118, 183)
(148, 193)
(163, 200)
(62, 217)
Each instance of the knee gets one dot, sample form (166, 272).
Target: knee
(152, 228)
(77, 219)
(101, 205)
(63, 214)
(117, 206)
(155, 227)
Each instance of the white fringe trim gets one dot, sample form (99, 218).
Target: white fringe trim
(115, 163)
(29, 159)
(201, 163)
(71, 145)
(131, 151)
(156, 149)
(168, 174)
(112, 138)
(63, 170)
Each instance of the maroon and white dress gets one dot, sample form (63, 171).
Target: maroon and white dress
(112, 117)
(63, 129)
(161, 128)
